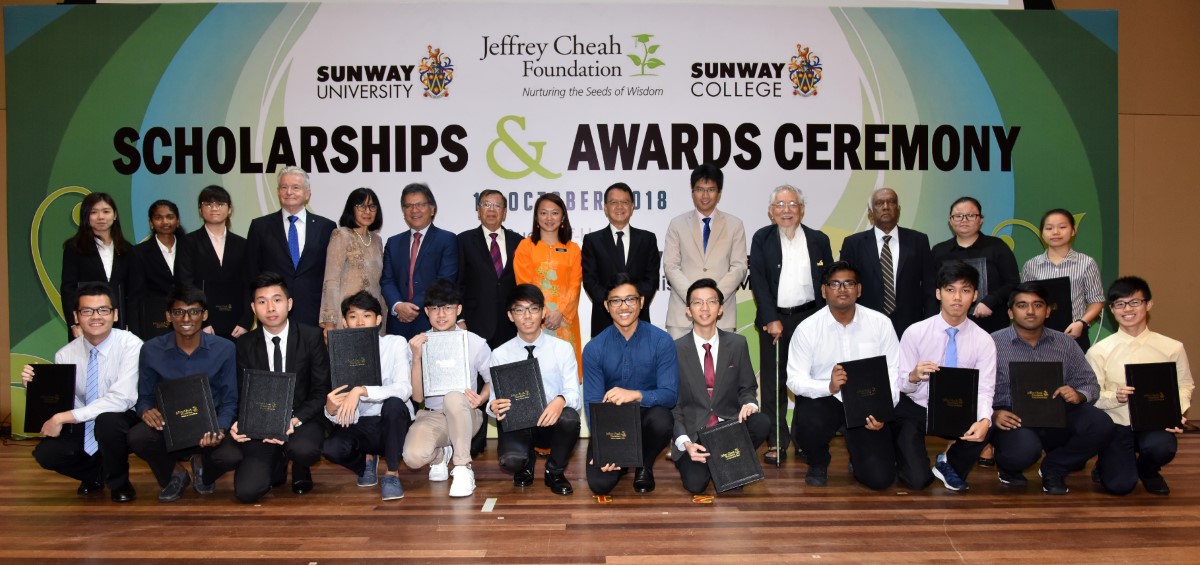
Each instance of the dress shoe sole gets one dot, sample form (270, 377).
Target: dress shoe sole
(302, 487)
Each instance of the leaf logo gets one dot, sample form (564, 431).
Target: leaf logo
(646, 60)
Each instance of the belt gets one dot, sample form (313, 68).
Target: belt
(811, 305)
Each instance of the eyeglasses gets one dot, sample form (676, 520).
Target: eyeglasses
(213, 205)
(416, 205)
(366, 207)
(787, 205)
(705, 190)
(443, 309)
(102, 311)
(621, 203)
(713, 302)
(628, 301)
(192, 312)
(848, 285)
(1122, 304)
(521, 311)
(491, 205)
(965, 217)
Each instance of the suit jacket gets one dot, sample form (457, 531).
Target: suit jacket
(158, 282)
(485, 295)
(685, 262)
(734, 387)
(225, 282)
(600, 267)
(436, 259)
(306, 357)
(268, 251)
(126, 286)
(766, 262)
(913, 270)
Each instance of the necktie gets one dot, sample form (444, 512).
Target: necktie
(707, 231)
(951, 349)
(93, 393)
(278, 355)
(294, 242)
(621, 251)
(889, 279)
(529, 348)
(710, 379)
(497, 262)
(412, 262)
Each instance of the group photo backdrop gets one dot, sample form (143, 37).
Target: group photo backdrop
(1015, 108)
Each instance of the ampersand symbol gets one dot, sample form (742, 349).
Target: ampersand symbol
(534, 162)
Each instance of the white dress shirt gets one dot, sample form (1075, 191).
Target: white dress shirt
(218, 242)
(479, 354)
(283, 337)
(301, 227)
(821, 342)
(894, 245)
(107, 251)
(118, 364)
(168, 253)
(556, 361)
(395, 360)
(487, 241)
(795, 277)
(625, 239)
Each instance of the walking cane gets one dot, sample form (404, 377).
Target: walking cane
(780, 414)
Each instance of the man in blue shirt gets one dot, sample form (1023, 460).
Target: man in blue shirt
(187, 350)
(631, 362)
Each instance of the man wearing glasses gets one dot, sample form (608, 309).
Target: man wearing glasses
(558, 426)
(842, 331)
(187, 350)
(631, 361)
(621, 248)
(88, 443)
(414, 259)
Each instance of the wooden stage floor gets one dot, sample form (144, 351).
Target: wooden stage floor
(779, 520)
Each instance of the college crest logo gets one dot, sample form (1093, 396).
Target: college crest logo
(804, 71)
(436, 73)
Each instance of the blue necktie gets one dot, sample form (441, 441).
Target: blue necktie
(951, 349)
(93, 393)
(294, 242)
(707, 231)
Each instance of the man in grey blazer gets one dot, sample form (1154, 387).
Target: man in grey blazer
(716, 383)
(704, 243)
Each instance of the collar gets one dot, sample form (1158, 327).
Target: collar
(302, 216)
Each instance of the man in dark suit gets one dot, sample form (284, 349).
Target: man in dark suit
(413, 259)
(280, 345)
(621, 248)
(292, 242)
(912, 274)
(787, 260)
(716, 383)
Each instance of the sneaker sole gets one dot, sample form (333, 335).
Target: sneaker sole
(392, 497)
(939, 476)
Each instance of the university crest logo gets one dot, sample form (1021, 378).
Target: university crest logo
(805, 71)
(436, 73)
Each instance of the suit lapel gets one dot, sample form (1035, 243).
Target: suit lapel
(718, 227)
(724, 378)
(694, 371)
(279, 235)
(906, 251)
(292, 349)
(259, 346)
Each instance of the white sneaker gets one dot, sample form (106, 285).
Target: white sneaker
(464, 481)
(441, 471)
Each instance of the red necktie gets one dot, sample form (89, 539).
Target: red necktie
(412, 262)
(710, 380)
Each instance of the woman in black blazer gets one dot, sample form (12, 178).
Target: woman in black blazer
(222, 276)
(161, 271)
(98, 252)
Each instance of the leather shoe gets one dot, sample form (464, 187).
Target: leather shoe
(124, 494)
(559, 484)
(523, 478)
(87, 488)
(643, 480)
(774, 456)
(174, 489)
(301, 479)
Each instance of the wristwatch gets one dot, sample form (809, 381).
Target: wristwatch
(1085, 324)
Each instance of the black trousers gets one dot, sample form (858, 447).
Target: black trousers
(479, 440)
(777, 409)
(516, 447)
(151, 445)
(912, 461)
(266, 463)
(657, 424)
(376, 435)
(872, 453)
(1134, 455)
(1067, 449)
(696, 476)
(65, 455)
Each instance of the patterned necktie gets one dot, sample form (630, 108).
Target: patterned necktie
(529, 348)
(412, 262)
(621, 251)
(889, 279)
(294, 242)
(707, 231)
(710, 380)
(278, 355)
(497, 262)
(90, 446)
(951, 349)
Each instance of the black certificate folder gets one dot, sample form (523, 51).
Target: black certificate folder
(521, 384)
(953, 398)
(732, 461)
(1032, 386)
(616, 434)
(51, 391)
(187, 409)
(354, 357)
(867, 392)
(1154, 404)
(265, 410)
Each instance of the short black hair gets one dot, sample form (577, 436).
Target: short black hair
(442, 292)
(708, 171)
(1063, 211)
(703, 283)
(1029, 287)
(837, 267)
(618, 186)
(214, 193)
(490, 192)
(621, 279)
(1126, 286)
(94, 288)
(268, 278)
(362, 300)
(422, 189)
(356, 197)
(955, 271)
(962, 199)
(187, 294)
(179, 229)
(526, 293)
